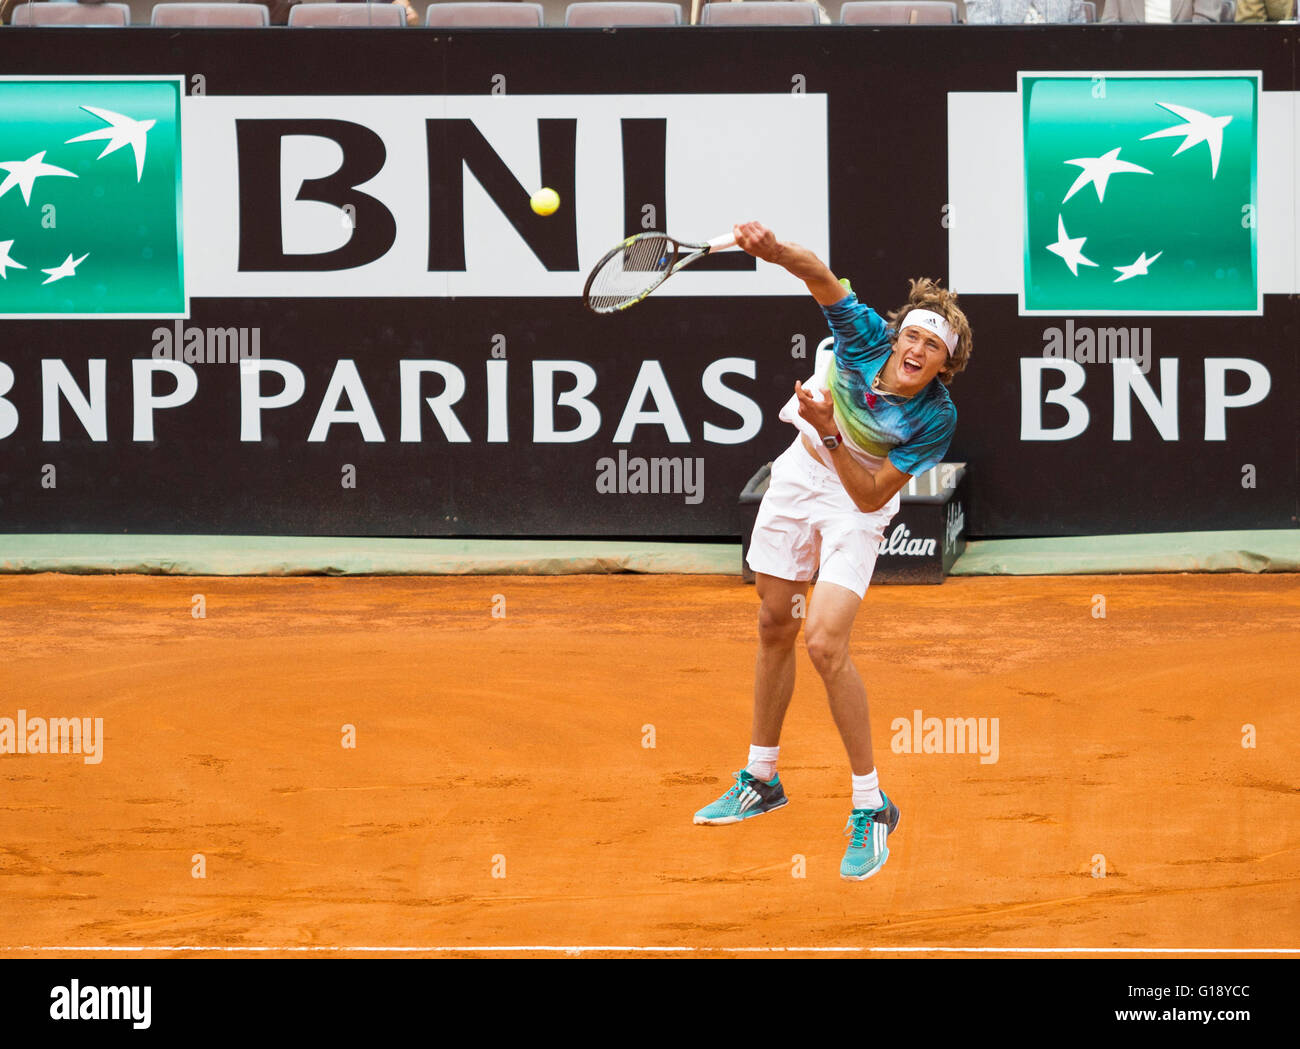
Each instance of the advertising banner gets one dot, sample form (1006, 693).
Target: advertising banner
(303, 292)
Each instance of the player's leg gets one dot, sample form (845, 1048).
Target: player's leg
(758, 788)
(781, 611)
(848, 558)
(830, 625)
(783, 553)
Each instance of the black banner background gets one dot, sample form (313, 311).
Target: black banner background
(887, 91)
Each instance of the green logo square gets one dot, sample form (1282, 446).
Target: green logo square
(1140, 193)
(90, 197)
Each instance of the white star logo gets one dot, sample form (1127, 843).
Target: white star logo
(23, 173)
(1098, 171)
(122, 131)
(67, 268)
(1138, 268)
(7, 260)
(1199, 127)
(1070, 249)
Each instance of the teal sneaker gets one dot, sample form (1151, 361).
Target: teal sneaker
(868, 831)
(748, 797)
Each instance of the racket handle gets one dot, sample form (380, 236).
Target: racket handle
(722, 243)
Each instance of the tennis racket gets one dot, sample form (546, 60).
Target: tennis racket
(631, 271)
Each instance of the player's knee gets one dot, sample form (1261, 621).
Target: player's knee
(828, 653)
(777, 628)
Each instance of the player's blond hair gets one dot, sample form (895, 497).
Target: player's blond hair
(927, 294)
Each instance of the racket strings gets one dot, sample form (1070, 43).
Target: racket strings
(630, 272)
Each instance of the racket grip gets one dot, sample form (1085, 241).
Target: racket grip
(722, 243)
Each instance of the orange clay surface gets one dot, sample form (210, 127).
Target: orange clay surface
(515, 745)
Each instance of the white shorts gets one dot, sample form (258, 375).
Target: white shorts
(807, 525)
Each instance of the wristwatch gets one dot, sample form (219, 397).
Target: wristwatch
(833, 441)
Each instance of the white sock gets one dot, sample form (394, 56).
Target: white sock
(762, 762)
(866, 791)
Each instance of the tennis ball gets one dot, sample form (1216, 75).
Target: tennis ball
(545, 201)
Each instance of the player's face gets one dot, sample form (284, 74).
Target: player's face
(919, 355)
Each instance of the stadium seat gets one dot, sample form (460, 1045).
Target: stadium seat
(212, 15)
(904, 12)
(46, 14)
(600, 15)
(500, 15)
(379, 15)
(760, 12)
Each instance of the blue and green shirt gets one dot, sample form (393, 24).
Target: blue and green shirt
(913, 432)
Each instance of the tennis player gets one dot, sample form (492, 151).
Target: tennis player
(878, 416)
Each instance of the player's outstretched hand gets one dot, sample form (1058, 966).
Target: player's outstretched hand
(817, 410)
(758, 240)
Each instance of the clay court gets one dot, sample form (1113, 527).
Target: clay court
(514, 746)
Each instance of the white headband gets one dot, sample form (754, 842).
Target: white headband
(931, 321)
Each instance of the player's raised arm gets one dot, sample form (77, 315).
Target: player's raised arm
(761, 242)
